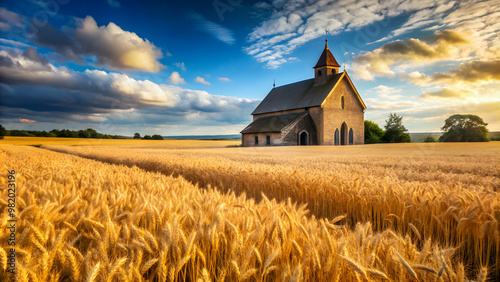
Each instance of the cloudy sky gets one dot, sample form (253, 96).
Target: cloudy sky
(201, 67)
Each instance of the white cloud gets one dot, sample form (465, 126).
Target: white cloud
(386, 92)
(116, 47)
(44, 92)
(182, 66)
(175, 78)
(301, 21)
(110, 45)
(218, 31)
(201, 80)
(224, 79)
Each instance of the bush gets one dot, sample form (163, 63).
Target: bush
(430, 139)
(373, 133)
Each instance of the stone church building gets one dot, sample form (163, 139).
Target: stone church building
(324, 110)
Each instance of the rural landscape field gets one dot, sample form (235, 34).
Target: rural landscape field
(176, 210)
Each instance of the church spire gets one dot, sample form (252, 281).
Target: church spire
(326, 65)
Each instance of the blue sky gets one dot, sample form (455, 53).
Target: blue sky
(201, 67)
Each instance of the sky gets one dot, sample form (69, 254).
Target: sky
(201, 67)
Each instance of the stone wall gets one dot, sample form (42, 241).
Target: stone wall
(248, 139)
(288, 137)
(334, 115)
(316, 114)
(290, 134)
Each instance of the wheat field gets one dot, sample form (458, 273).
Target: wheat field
(406, 212)
(167, 143)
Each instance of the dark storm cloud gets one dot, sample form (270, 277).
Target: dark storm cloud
(32, 84)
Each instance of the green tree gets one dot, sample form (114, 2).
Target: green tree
(373, 132)
(464, 128)
(137, 136)
(157, 137)
(395, 131)
(147, 137)
(429, 139)
(3, 132)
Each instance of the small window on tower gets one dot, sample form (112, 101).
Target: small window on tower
(333, 71)
(256, 140)
(319, 73)
(342, 102)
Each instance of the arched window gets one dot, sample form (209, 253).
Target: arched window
(351, 137)
(336, 138)
(268, 140)
(256, 140)
(333, 71)
(319, 73)
(342, 102)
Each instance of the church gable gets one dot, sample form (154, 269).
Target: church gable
(344, 90)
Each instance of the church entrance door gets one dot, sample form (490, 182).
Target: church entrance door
(343, 134)
(303, 138)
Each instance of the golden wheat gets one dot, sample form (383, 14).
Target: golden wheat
(444, 192)
(118, 223)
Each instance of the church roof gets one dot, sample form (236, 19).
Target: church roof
(303, 94)
(274, 123)
(326, 58)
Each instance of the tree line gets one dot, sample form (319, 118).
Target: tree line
(66, 133)
(457, 128)
(148, 137)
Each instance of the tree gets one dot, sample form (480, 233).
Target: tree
(146, 137)
(464, 128)
(137, 136)
(3, 132)
(373, 133)
(429, 139)
(157, 137)
(395, 131)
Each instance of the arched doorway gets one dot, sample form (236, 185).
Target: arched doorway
(303, 138)
(343, 134)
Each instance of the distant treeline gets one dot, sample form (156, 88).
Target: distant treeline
(87, 133)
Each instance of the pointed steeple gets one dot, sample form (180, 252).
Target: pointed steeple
(326, 66)
(326, 58)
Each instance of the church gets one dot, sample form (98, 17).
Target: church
(324, 110)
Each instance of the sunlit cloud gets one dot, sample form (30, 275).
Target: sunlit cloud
(25, 120)
(112, 46)
(175, 78)
(445, 45)
(201, 80)
(448, 93)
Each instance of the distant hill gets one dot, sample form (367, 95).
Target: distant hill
(419, 137)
